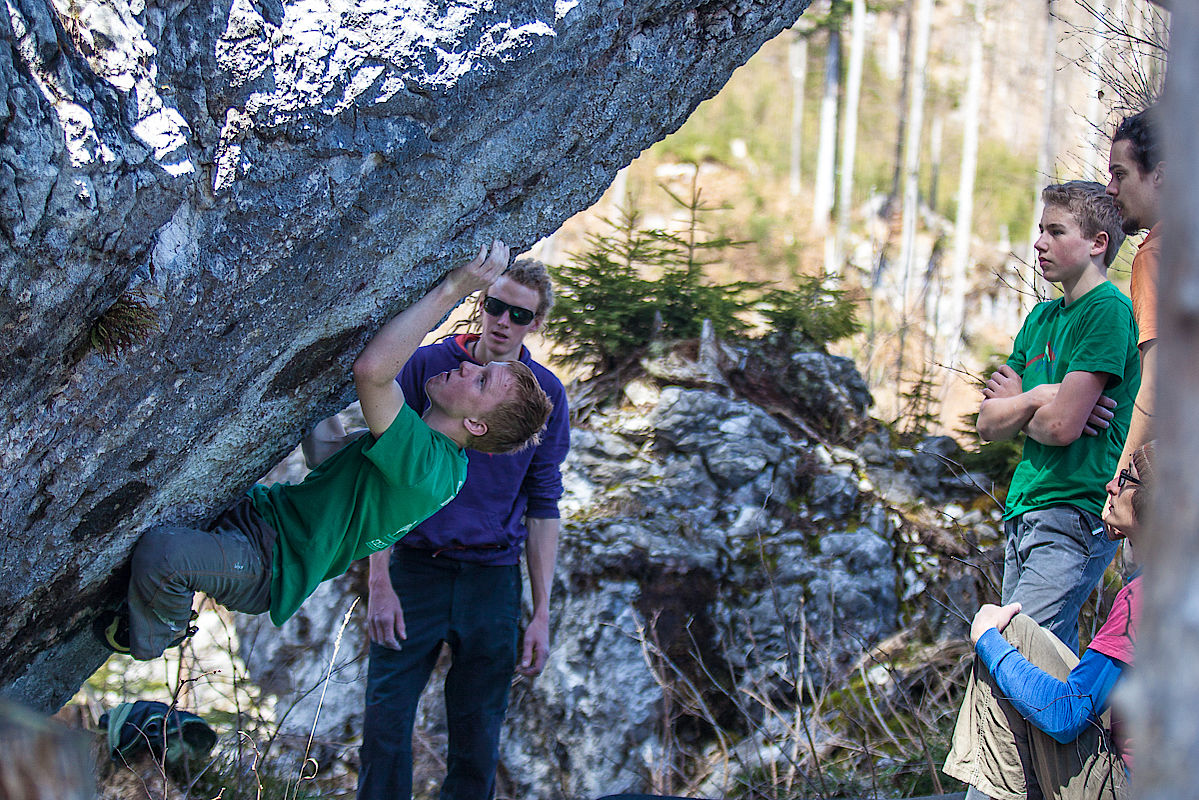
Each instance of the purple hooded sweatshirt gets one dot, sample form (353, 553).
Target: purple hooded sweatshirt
(484, 524)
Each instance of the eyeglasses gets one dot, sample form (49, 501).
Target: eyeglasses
(496, 308)
(1126, 477)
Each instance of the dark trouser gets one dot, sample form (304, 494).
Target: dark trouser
(230, 562)
(476, 610)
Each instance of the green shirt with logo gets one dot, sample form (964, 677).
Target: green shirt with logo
(361, 499)
(1095, 333)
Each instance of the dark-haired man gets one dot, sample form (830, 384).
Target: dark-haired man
(1137, 171)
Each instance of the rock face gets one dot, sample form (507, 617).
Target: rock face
(703, 538)
(709, 556)
(206, 205)
(715, 560)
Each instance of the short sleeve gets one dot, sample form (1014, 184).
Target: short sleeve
(1117, 638)
(1018, 360)
(408, 452)
(1143, 288)
(1105, 337)
(412, 380)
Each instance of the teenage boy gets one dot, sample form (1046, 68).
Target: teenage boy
(456, 577)
(1137, 172)
(272, 548)
(1068, 384)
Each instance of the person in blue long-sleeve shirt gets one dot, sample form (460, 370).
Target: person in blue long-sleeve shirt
(1036, 718)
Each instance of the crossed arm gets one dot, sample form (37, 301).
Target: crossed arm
(1052, 414)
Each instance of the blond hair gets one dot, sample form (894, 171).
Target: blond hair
(517, 422)
(534, 275)
(1092, 208)
(527, 272)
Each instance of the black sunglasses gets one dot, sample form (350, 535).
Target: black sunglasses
(1126, 477)
(496, 308)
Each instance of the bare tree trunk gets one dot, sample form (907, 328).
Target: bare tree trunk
(892, 60)
(849, 132)
(936, 135)
(955, 311)
(1166, 683)
(826, 158)
(905, 90)
(797, 57)
(1031, 280)
(1096, 160)
(922, 22)
(1158, 30)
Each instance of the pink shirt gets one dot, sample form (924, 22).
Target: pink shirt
(1118, 636)
(1118, 639)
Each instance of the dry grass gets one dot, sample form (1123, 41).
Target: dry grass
(252, 760)
(128, 322)
(878, 729)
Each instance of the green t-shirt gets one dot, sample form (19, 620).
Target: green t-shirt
(361, 499)
(1095, 333)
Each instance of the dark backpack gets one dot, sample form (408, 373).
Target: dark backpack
(170, 734)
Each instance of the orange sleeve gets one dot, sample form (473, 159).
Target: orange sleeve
(1143, 288)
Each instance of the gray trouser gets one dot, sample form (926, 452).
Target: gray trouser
(172, 562)
(997, 751)
(1053, 560)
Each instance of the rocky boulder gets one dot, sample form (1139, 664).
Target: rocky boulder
(207, 205)
(703, 539)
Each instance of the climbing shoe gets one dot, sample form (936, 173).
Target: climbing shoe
(112, 629)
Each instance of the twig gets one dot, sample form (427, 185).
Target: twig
(345, 621)
(928, 756)
(955, 467)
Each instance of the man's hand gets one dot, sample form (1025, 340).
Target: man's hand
(1067, 408)
(536, 647)
(384, 356)
(1004, 382)
(481, 271)
(541, 552)
(1006, 407)
(1100, 417)
(992, 616)
(1140, 426)
(385, 616)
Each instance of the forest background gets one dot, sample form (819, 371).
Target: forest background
(899, 148)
